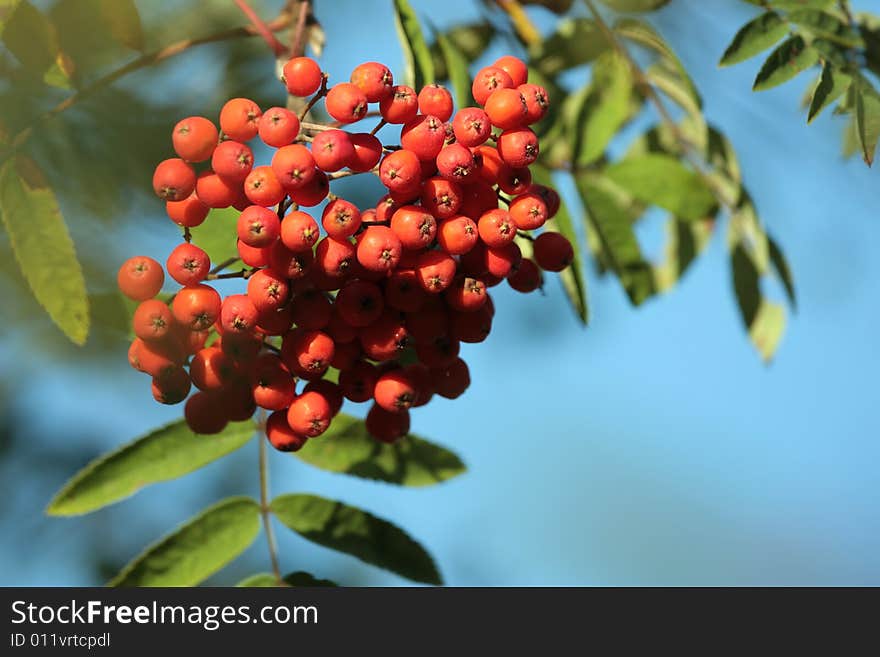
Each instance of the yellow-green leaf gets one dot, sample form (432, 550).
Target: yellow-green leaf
(636, 5)
(347, 448)
(789, 59)
(754, 37)
(164, 454)
(348, 529)
(42, 246)
(197, 549)
(832, 84)
(867, 118)
(416, 54)
(456, 70)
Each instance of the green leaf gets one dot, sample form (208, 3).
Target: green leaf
(664, 181)
(666, 79)
(606, 109)
(822, 24)
(30, 36)
(470, 39)
(620, 247)
(419, 63)
(164, 454)
(347, 448)
(347, 529)
(754, 37)
(832, 85)
(867, 103)
(792, 5)
(301, 578)
(635, 5)
(7, 9)
(684, 242)
(576, 41)
(789, 59)
(782, 269)
(573, 281)
(643, 34)
(217, 235)
(260, 580)
(764, 320)
(197, 549)
(93, 33)
(42, 246)
(457, 70)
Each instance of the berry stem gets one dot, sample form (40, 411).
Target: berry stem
(143, 61)
(317, 127)
(379, 126)
(346, 174)
(244, 273)
(298, 44)
(261, 28)
(318, 96)
(223, 265)
(187, 235)
(264, 500)
(525, 235)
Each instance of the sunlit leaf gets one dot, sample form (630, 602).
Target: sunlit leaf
(782, 269)
(576, 41)
(470, 39)
(605, 109)
(784, 63)
(419, 63)
(217, 235)
(347, 448)
(197, 549)
(833, 83)
(755, 37)
(636, 5)
(664, 181)
(867, 109)
(613, 225)
(166, 453)
(456, 70)
(822, 24)
(348, 529)
(42, 246)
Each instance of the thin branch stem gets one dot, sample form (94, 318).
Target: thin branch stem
(223, 265)
(298, 44)
(689, 150)
(264, 501)
(346, 174)
(525, 28)
(244, 273)
(318, 96)
(317, 127)
(378, 127)
(143, 61)
(261, 28)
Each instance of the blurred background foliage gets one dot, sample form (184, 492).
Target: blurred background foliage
(89, 90)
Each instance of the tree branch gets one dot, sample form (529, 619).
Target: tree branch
(261, 28)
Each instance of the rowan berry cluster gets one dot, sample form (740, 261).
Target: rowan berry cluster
(383, 295)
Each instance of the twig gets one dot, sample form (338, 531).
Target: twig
(346, 174)
(318, 96)
(688, 149)
(264, 501)
(379, 126)
(317, 127)
(261, 28)
(141, 62)
(298, 43)
(244, 273)
(223, 265)
(525, 29)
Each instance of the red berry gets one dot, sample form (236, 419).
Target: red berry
(471, 126)
(496, 228)
(435, 99)
(287, 263)
(152, 320)
(341, 219)
(455, 162)
(435, 271)
(358, 381)
(172, 386)
(360, 303)
(188, 264)
(506, 108)
(423, 136)
(367, 151)
(518, 147)
(313, 192)
(190, 212)
(335, 257)
(528, 211)
(140, 278)
(415, 227)
(307, 353)
(488, 80)
(514, 67)
(526, 277)
(374, 80)
(240, 119)
(452, 380)
(395, 391)
(400, 171)
(466, 294)
(400, 106)
(280, 435)
(311, 310)
(232, 161)
(258, 226)
(196, 307)
(238, 314)
(346, 103)
(194, 138)
(294, 166)
(211, 369)
(310, 414)
(441, 197)
(302, 76)
(537, 102)
(278, 127)
(215, 192)
(267, 290)
(332, 150)
(386, 427)
(379, 249)
(173, 180)
(204, 413)
(457, 235)
(299, 231)
(403, 292)
(262, 187)
(553, 251)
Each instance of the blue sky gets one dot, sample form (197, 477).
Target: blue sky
(652, 447)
